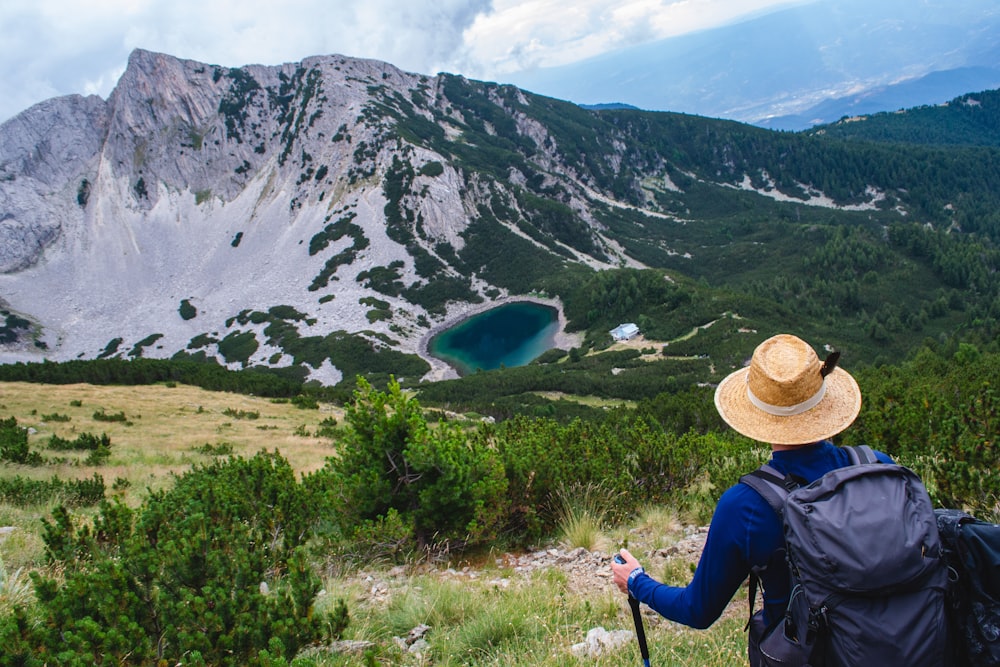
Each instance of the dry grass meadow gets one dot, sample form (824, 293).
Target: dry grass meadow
(167, 429)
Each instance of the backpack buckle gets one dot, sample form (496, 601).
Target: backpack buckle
(818, 619)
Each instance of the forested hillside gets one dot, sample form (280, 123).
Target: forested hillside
(902, 248)
(968, 120)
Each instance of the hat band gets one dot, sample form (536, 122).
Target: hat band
(786, 410)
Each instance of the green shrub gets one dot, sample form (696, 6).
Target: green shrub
(241, 414)
(86, 492)
(378, 315)
(387, 538)
(432, 169)
(99, 448)
(211, 572)
(238, 346)
(445, 488)
(83, 193)
(138, 348)
(186, 310)
(14, 444)
(304, 402)
(83, 442)
(327, 428)
(102, 416)
(221, 449)
(22, 492)
(98, 456)
(628, 457)
(937, 414)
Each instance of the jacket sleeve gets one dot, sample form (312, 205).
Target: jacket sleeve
(739, 530)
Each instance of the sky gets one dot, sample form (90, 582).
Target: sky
(50, 48)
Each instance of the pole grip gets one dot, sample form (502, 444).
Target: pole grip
(640, 631)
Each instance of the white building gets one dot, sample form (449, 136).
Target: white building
(625, 331)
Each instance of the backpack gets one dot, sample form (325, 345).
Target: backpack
(868, 577)
(972, 551)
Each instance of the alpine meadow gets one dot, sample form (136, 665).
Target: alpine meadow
(223, 440)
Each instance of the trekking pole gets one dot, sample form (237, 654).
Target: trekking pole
(640, 632)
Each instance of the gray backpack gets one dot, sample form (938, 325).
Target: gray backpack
(868, 577)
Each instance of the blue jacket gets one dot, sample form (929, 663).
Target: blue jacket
(745, 532)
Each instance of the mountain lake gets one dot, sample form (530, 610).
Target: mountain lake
(509, 335)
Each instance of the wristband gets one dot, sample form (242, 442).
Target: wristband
(633, 574)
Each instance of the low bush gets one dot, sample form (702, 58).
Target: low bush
(220, 449)
(454, 488)
(186, 310)
(212, 571)
(23, 492)
(83, 442)
(304, 402)
(631, 458)
(241, 414)
(14, 444)
(102, 416)
(440, 485)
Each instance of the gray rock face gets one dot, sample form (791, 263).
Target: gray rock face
(43, 152)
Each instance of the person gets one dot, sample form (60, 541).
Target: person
(790, 400)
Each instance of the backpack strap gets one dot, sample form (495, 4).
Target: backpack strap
(862, 454)
(772, 486)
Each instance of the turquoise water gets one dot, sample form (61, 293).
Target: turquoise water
(508, 335)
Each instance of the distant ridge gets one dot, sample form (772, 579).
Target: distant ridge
(610, 105)
(935, 88)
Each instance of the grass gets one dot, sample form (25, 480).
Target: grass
(496, 620)
(15, 588)
(167, 430)
(168, 423)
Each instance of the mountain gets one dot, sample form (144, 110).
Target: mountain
(324, 218)
(196, 196)
(798, 66)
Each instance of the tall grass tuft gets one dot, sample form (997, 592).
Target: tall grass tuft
(581, 514)
(15, 589)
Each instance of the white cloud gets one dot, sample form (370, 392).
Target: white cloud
(524, 34)
(58, 47)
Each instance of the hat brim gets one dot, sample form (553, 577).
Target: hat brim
(835, 412)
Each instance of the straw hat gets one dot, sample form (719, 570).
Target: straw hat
(787, 396)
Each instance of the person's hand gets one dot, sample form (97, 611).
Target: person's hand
(622, 570)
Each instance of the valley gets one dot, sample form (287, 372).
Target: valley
(320, 220)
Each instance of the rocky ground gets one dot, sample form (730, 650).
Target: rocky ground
(586, 572)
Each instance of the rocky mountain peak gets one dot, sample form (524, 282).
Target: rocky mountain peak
(230, 190)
